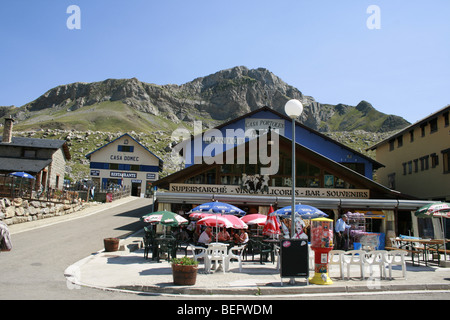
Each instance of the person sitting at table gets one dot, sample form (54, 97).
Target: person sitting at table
(206, 236)
(223, 235)
(242, 237)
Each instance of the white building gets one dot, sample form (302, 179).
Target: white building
(125, 162)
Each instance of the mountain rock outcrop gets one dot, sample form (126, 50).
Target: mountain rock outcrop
(215, 98)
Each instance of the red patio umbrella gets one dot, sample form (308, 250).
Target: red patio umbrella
(255, 218)
(200, 215)
(223, 222)
(272, 227)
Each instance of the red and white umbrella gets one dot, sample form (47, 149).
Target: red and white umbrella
(272, 226)
(223, 222)
(200, 215)
(255, 218)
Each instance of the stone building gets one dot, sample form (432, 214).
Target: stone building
(45, 159)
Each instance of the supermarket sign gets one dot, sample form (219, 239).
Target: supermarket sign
(271, 191)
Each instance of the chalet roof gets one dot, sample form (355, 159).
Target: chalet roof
(376, 164)
(38, 144)
(88, 156)
(31, 166)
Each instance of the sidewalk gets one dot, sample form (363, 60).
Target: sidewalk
(129, 271)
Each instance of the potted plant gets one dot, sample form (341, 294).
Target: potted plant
(184, 271)
(111, 244)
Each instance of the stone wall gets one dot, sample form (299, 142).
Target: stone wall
(19, 210)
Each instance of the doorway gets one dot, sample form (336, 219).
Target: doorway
(136, 189)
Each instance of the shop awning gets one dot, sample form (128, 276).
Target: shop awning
(321, 203)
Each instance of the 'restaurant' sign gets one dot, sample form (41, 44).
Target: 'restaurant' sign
(271, 191)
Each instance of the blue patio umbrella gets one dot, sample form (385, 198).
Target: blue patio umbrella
(22, 174)
(218, 207)
(302, 210)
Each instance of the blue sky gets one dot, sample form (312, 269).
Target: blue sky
(323, 47)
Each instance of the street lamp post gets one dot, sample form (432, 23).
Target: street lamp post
(293, 109)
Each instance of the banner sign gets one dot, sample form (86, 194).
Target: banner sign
(271, 191)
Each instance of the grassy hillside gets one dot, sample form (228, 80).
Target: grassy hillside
(103, 116)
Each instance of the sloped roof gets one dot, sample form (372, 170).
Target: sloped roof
(376, 164)
(19, 164)
(412, 126)
(38, 144)
(88, 156)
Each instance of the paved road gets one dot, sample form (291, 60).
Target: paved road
(34, 269)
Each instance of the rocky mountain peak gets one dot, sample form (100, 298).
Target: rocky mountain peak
(221, 96)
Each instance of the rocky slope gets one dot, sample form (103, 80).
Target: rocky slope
(224, 95)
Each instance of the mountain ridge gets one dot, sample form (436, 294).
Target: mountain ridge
(213, 99)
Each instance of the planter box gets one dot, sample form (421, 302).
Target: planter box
(111, 244)
(184, 275)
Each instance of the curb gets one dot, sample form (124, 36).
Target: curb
(297, 290)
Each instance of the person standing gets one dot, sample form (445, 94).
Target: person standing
(341, 231)
(5, 237)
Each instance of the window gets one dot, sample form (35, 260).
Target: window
(434, 160)
(424, 163)
(411, 136)
(125, 148)
(446, 122)
(399, 141)
(410, 167)
(416, 165)
(446, 160)
(29, 153)
(433, 125)
(114, 166)
(422, 128)
(391, 144)
(404, 168)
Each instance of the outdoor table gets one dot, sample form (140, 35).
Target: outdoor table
(217, 243)
(274, 243)
(168, 243)
(216, 251)
(429, 245)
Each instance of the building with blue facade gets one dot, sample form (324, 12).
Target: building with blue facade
(247, 162)
(124, 162)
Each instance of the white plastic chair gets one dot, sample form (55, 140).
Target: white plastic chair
(397, 258)
(234, 253)
(194, 249)
(217, 253)
(336, 257)
(311, 258)
(277, 255)
(354, 258)
(376, 258)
